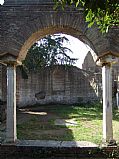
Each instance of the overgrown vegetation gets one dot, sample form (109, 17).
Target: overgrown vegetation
(103, 12)
(88, 128)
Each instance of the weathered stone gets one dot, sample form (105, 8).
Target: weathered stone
(40, 95)
(58, 85)
(11, 104)
(51, 143)
(65, 122)
(24, 21)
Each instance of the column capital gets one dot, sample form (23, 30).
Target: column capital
(9, 60)
(107, 58)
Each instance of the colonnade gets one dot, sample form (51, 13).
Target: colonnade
(106, 61)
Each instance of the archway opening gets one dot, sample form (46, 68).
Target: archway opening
(57, 91)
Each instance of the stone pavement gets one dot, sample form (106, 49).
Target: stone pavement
(52, 143)
(66, 122)
(29, 149)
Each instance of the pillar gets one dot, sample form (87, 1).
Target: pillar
(11, 104)
(106, 60)
(107, 102)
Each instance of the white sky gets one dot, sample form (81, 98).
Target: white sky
(1, 1)
(79, 49)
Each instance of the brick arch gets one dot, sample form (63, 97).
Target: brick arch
(52, 30)
(24, 22)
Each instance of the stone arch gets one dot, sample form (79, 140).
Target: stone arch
(53, 30)
(24, 25)
(24, 22)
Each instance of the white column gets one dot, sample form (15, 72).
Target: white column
(11, 104)
(107, 103)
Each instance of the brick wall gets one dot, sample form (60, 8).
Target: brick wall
(22, 22)
(56, 85)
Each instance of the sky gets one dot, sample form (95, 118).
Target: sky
(79, 48)
(1, 1)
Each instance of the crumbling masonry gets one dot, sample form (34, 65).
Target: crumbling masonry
(22, 22)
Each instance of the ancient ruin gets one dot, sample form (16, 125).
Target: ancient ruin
(22, 22)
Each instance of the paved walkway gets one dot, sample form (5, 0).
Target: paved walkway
(51, 143)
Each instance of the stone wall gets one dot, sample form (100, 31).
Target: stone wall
(90, 65)
(57, 85)
(57, 150)
(23, 22)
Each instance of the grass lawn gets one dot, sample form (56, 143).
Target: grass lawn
(42, 127)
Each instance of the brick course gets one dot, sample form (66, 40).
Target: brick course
(24, 22)
(57, 85)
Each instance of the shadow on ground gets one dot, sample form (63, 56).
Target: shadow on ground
(60, 123)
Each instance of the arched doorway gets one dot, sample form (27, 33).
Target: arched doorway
(22, 27)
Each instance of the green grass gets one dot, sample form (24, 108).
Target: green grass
(88, 117)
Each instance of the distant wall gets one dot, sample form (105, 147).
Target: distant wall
(89, 64)
(3, 83)
(57, 85)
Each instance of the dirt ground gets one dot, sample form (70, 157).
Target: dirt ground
(39, 123)
(44, 114)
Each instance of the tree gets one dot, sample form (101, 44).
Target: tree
(47, 52)
(103, 12)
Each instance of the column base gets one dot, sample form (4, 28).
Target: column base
(111, 142)
(9, 142)
(10, 139)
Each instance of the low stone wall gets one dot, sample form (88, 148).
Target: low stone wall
(57, 85)
(44, 152)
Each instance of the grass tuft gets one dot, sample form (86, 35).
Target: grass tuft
(89, 124)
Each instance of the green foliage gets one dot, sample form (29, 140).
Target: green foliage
(47, 52)
(105, 13)
(87, 116)
(88, 128)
